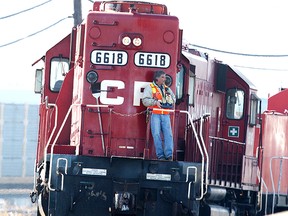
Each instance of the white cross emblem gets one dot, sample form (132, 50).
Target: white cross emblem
(233, 131)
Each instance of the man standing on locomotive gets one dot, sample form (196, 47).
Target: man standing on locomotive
(158, 95)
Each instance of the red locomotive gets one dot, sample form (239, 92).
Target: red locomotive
(95, 152)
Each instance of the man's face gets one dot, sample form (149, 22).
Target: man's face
(161, 79)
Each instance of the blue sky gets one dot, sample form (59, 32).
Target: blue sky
(254, 27)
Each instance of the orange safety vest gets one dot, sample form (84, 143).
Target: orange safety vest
(157, 95)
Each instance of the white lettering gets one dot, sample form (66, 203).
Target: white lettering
(104, 88)
(138, 95)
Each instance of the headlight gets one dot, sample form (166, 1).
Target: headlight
(168, 80)
(92, 77)
(137, 41)
(126, 40)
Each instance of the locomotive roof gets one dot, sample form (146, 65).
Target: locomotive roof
(240, 74)
(203, 57)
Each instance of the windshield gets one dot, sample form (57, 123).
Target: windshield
(59, 67)
(234, 103)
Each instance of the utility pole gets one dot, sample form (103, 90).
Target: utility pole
(77, 12)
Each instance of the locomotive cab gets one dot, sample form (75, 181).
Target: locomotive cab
(239, 126)
(55, 99)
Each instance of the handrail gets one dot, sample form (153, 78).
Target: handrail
(261, 180)
(60, 173)
(198, 144)
(266, 199)
(271, 177)
(195, 179)
(49, 140)
(34, 176)
(206, 153)
(261, 192)
(57, 136)
(227, 140)
(201, 152)
(96, 106)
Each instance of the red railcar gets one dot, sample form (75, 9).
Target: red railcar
(274, 164)
(95, 153)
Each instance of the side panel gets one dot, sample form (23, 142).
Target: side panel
(275, 136)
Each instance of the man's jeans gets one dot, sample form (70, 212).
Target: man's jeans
(162, 123)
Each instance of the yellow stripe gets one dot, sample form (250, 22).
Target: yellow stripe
(153, 88)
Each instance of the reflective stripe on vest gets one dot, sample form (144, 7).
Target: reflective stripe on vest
(157, 96)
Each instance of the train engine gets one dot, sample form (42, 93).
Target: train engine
(95, 153)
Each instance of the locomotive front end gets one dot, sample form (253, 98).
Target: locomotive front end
(106, 165)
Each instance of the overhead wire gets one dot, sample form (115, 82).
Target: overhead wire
(195, 45)
(259, 68)
(14, 14)
(247, 55)
(20, 39)
(242, 54)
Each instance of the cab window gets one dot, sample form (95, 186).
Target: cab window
(255, 109)
(191, 85)
(180, 83)
(234, 103)
(59, 67)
